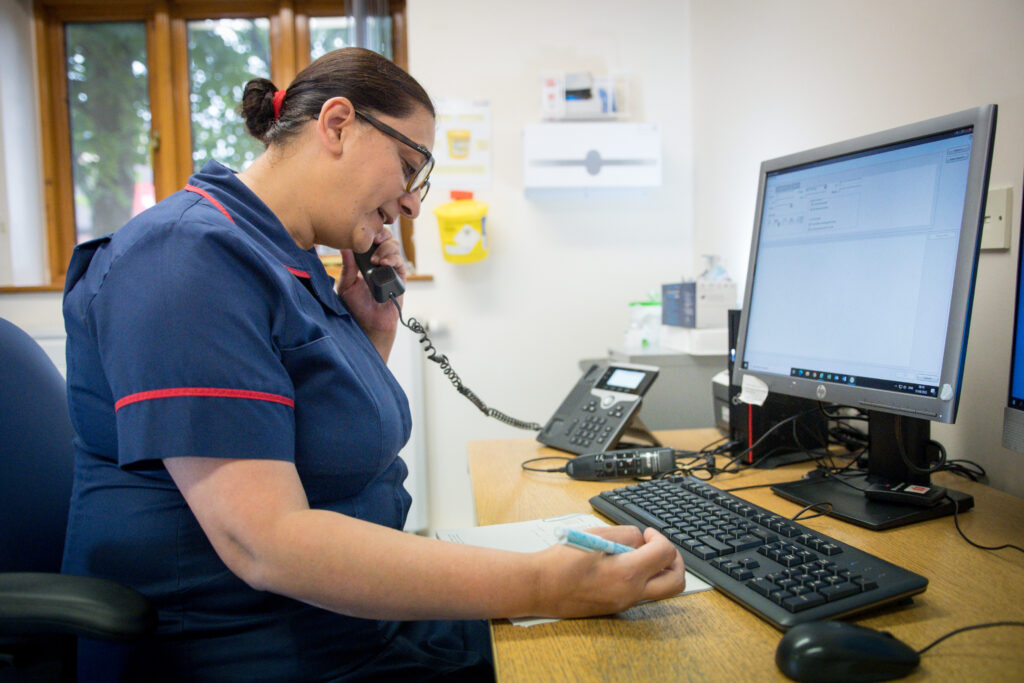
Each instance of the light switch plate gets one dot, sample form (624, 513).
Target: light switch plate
(995, 233)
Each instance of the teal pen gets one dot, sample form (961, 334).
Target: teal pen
(584, 541)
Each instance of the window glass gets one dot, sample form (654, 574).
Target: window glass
(332, 33)
(223, 55)
(108, 107)
(326, 34)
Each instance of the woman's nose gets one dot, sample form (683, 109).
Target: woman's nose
(409, 204)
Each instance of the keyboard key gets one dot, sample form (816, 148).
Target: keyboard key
(718, 546)
(745, 543)
(798, 603)
(766, 536)
(704, 552)
(839, 591)
(645, 517)
(865, 584)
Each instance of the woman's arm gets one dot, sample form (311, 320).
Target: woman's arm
(256, 515)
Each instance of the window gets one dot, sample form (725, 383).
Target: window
(136, 95)
(111, 175)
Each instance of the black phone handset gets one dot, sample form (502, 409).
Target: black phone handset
(383, 281)
(385, 285)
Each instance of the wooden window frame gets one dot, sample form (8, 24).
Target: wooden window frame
(167, 56)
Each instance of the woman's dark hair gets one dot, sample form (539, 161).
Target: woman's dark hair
(372, 83)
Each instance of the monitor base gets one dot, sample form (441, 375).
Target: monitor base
(851, 505)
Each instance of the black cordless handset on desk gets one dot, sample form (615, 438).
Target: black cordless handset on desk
(383, 281)
(622, 464)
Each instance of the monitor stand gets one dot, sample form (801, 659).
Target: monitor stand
(897, 452)
(850, 504)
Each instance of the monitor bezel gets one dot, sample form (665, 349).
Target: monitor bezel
(982, 120)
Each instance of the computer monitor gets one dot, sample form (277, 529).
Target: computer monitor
(859, 289)
(1013, 413)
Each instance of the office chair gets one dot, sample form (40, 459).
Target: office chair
(41, 610)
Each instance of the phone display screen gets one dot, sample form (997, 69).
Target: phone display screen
(622, 379)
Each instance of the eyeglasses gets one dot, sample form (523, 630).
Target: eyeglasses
(418, 181)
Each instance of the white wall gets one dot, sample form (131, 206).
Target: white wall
(774, 78)
(561, 272)
(22, 244)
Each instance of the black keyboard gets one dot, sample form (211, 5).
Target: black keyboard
(779, 569)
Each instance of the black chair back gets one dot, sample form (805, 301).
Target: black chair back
(36, 455)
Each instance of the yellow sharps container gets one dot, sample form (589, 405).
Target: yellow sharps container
(462, 223)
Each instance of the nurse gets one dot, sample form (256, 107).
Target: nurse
(238, 429)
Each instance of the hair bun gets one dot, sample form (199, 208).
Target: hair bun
(257, 108)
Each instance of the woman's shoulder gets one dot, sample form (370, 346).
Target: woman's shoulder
(177, 243)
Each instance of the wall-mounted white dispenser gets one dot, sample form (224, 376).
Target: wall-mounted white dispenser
(591, 155)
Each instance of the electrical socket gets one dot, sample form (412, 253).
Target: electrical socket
(995, 233)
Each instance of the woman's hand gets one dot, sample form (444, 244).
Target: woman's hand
(378, 320)
(575, 583)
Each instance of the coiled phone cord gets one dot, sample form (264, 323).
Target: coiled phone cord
(446, 368)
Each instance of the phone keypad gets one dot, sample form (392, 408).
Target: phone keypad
(591, 428)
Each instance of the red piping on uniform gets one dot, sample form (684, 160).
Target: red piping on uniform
(206, 195)
(203, 391)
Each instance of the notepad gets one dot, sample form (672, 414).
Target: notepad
(535, 535)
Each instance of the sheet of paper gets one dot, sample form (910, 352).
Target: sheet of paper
(753, 390)
(532, 536)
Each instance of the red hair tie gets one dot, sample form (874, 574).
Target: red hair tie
(278, 99)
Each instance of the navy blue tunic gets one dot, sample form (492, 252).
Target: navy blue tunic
(197, 331)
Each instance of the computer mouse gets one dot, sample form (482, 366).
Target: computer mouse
(825, 651)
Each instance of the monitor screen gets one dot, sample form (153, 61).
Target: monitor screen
(862, 271)
(1013, 415)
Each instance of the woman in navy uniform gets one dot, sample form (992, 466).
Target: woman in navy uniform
(238, 428)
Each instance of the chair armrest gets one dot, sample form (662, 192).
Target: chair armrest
(36, 603)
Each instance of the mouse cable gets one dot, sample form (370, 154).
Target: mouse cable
(956, 521)
(446, 368)
(969, 628)
(821, 508)
(965, 468)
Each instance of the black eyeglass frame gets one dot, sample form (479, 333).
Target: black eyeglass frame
(424, 186)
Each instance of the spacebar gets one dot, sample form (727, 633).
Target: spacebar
(644, 516)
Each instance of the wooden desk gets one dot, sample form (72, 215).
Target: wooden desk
(708, 637)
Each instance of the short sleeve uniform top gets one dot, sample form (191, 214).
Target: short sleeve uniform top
(201, 329)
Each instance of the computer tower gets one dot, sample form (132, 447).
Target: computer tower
(748, 423)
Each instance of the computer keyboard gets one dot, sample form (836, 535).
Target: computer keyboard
(782, 571)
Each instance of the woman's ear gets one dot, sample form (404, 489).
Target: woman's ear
(336, 120)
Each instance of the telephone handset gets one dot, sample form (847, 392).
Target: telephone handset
(383, 281)
(601, 409)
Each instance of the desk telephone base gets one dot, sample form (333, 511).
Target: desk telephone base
(602, 410)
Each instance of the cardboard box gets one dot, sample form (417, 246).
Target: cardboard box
(699, 304)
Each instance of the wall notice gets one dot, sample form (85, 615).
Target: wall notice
(462, 147)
